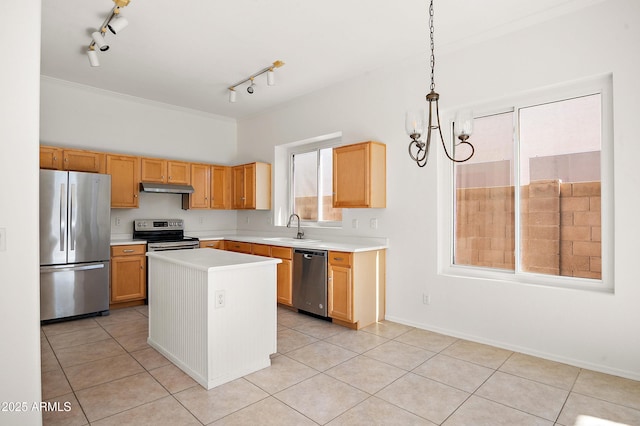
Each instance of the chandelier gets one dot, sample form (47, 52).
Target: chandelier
(416, 124)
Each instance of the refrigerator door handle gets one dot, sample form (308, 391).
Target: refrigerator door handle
(65, 268)
(63, 216)
(72, 214)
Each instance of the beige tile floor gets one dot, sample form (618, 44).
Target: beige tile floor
(386, 374)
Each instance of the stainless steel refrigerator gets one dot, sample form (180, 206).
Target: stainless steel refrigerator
(75, 232)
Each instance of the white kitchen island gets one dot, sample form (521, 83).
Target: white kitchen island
(213, 312)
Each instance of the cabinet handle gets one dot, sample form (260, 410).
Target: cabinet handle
(339, 259)
(128, 251)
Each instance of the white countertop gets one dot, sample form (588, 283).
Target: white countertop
(352, 245)
(212, 260)
(126, 241)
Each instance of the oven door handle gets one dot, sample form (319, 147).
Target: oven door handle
(152, 249)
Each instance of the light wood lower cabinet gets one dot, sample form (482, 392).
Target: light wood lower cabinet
(356, 287)
(285, 273)
(214, 244)
(128, 275)
(237, 246)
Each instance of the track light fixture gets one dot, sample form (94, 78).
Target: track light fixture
(271, 80)
(115, 23)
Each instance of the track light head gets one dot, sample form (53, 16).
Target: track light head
(99, 41)
(118, 24)
(232, 95)
(271, 78)
(250, 88)
(93, 57)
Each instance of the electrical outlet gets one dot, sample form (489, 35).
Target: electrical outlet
(3, 239)
(373, 223)
(354, 223)
(117, 220)
(220, 299)
(201, 219)
(426, 298)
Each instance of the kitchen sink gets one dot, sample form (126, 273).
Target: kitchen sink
(290, 240)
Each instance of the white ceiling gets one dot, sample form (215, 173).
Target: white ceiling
(187, 53)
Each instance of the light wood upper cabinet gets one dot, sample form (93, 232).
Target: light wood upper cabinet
(83, 161)
(159, 170)
(201, 182)
(77, 160)
(220, 187)
(153, 170)
(356, 287)
(50, 157)
(359, 175)
(178, 172)
(125, 180)
(252, 186)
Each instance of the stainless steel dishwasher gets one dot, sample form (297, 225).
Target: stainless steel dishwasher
(310, 281)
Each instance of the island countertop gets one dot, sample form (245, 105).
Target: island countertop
(211, 260)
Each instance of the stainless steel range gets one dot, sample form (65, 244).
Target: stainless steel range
(163, 234)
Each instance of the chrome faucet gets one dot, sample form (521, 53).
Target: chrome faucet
(300, 233)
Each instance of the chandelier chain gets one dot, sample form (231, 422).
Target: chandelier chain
(432, 59)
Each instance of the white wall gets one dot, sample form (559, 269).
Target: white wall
(78, 116)
(19, 278)
(594, 330)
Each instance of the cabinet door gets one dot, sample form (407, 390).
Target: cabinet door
(250, 186)
(153, 170)
(128, 278)
(238, 187)
(50, 158)
(125, 180)
(351, 176)
(340, 293)
(178, 172)
(220, 187)
(284, 282)
(201, 182)
(83, 161)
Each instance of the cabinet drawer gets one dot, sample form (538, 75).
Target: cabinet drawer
(340, 258)
(128, 250)
(281, 252)
(238, 246)
(216, 244)
(261, 250)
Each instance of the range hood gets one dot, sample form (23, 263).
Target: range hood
(166, 188)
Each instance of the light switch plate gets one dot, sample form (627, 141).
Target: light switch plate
(3, 239)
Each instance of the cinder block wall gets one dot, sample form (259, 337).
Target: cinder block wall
(560, 228)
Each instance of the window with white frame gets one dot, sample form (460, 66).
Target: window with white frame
(534, 199)
(312, 185)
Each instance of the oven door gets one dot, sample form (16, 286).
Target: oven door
(172, 246)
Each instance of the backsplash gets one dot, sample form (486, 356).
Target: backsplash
(169, 206)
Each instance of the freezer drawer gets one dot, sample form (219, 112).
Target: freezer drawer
(70, 290)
